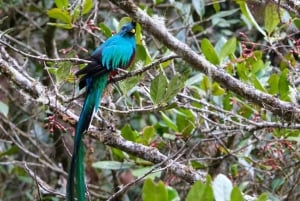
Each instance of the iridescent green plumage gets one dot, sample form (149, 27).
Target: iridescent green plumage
(117, 52)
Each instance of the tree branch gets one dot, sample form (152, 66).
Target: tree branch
(148, 153)
(42, 57)
(41, 96)
(287, 111)
(294, 4)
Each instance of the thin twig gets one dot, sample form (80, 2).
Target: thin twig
(43, 58)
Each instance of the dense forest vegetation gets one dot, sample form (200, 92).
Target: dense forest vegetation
(209, 109)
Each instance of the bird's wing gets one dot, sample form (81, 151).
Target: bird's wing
(117, 55)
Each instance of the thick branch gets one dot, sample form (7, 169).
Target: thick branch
(41, 96)
(148, 153)
(286, 110)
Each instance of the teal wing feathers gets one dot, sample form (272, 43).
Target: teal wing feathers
(114, 57)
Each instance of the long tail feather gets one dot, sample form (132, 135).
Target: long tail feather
(95, 89)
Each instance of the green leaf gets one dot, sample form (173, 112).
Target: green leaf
(227, 101)
(263, 197)
(283, 85)
(194, 79)
(205, 84)
(242, 71)
(228, 48)
(217, 90)
(199, 6)
(271, 17)
(166, 63)
(209, 51)
(148, 134)
(11, 151)
(4, 109)
(200, 192)
(216, 5)
(142, 54)
(223, 14)
(277, 183)
(63, 70)
(185, 125)
(60, 14)
(297, 23)
(246, 12)
(21, 173)
(61, 25)
(185, 122)
(222, 188)
(113, 165)
(75, 13)
(186, 113)
(87, 6)
(154, 192)
(236, 194)
(169, 122)
(62, 4)
(175, 85)
(158, 1)
(169, 136)
(172, 194)
(52, 70)
(128, 133)
(246, 111)
(139, 172)
(208, 179)
(127, 84)
(105, 30)
(257, 66)
(234, 169)
(139, 35)
(273, 84)
(197, 28)
(289, 57)
(258, 85)
(158, 88)
(196, 191)
(197, 165)
(118, 154)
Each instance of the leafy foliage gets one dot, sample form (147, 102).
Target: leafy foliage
(170, 106)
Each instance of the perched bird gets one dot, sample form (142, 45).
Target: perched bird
(116, 52)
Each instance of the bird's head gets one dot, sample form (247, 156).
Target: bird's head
(128, 29)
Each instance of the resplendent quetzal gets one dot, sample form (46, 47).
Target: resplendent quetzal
(116, 52)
